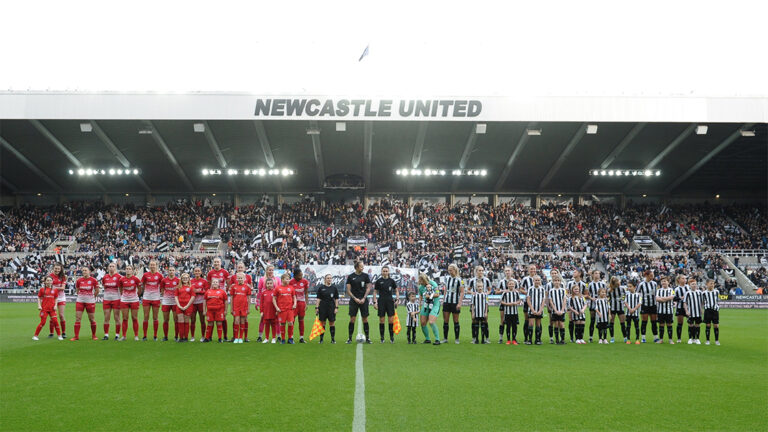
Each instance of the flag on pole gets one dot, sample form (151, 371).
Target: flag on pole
(317, 329)
(396, 325)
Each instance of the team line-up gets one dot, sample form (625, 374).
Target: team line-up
(281, 301)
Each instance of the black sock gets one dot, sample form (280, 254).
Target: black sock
(538, 333)
(445, 330)
(690, 332)
(509, 329)
(679, 331)
(669, 332)
(661, 332)
(366, 330)
(525, 329)
(456, 330)
(624, 332)
(571, 328)
(644, 327)
(698, 332)
(550, 330)
(514, 333)
(501, 330)
(486, 333)
(557, 334)
(591, 326)
(717, 334)
(562, 334)
(351, 329)
(610, 327)
(654, 327)
(637, 330)
(333, 332)
(475, 328)
(391, 328)
(381, 330)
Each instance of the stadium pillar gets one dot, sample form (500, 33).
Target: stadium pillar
(580, 200)
(279, 199)
(451, 200)
(622, 201)
(537, 202)
(410, 200)
(495, 200)
(105, 199)
(365, 202)
(150, 199)
(237, 200)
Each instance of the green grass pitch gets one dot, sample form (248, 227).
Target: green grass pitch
(155, 386)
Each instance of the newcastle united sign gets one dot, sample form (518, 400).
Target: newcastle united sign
(367, 108)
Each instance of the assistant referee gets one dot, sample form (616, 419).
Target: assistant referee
(358, 288)
(327, 305)
(383, 300)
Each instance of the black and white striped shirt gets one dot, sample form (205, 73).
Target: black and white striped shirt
(632, 299)
(582, 286)
(504, 285)
(602, 309)
(593, 289)
(557, 298)
(665, 308)
(711, 300)
(452, 289)
(526, 284)
(680, 292)
(693, 301)
(510, 297)
(484, 284)
(648, 291)
(536, 297)
(616, 298)
(577, 303)
(412, 307)
(479, 305)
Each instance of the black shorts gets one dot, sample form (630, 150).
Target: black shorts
(534, 316)
(386, 308)
(617, 312)
(501, 307)
(694, 320)
(354, 307)
(680, 312)
(557, 317)
(512, 319)
(450, 307)
(602, 324)
(650, 310)
(664, 318)
(711, 316)
(326, 314)
(632, 317)
(575, 317)
(525, 308)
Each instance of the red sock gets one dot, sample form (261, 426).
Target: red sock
(175, 329)
(274, 328)
(155, 325)
(290, 331)
(218, 329)
(93, 328)
(77, 330)
(244, 329)
(209, 331)
(224, 324)
(235, 331)
(202, 327)
(261, 326)
(63, 325)
(301, 328)
(186, 330)
(118, 326)
(40, 326)
(125, 328)
(50, 327)
(145, 327)
(56, 326)
(165, 329)
(266, 329)
(192, 329)
(136, 327)
(282, 331)
(106, 328)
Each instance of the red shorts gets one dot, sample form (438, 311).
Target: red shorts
(88, 307)
(240, 311)
(197, 307)
(285, 316)
(111, 304)
(188, 312)
(51, 313)
(150, 302)
(61, 303)
(301, 309)
(129, 305)
(169, 308)
(215, 314)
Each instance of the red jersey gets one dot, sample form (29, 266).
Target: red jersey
(85, 289)
(151, 283)
(221, 275)
(110, 284)
(215, 298)
(263, 285)
(300, 287)
(130, 286)
(248, 280)
(48, 297)
(168, 287)
(240, 296)
(285, 295)
(59, 283)
(265, 299)
(200, 286)
(184, 293)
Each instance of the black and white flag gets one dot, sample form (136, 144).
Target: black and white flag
(277, 241)
(379, 219)
(16, 264)
(384, 249)
(385, 262)
(163, 247)
(256, 241)
(222, 222)
(334, 233)
(269, 237)
(458, 251)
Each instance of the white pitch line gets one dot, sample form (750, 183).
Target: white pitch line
(358, 423)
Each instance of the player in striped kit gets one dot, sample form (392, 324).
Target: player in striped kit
(665, 297)
(412, 308)
(510, 300)
(632, 302)
(692, 303)
(680, 290)
(577, 306)
(554, 273)
(712, 310)
(504, 286)
(87, 290)
(602, 313)
(168, 287)
(525, 284)
(557, 307)
(454, 293)
(480, 287)
(647, 289)
(616, 295)
(592, 290)
(111, 303)
(537, 297)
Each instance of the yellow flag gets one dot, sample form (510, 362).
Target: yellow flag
(396, 325)
(317, 329)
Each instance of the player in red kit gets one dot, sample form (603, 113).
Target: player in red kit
(46, 304)
(87, 290)
(111, 305)
(215, 309)
(129, 301)
(200, 285)
(168, 288)
(223, 277)
(301, 288)
(270, 275)
(185, 296)
(150, 290)
(267, 310)
(59, 282)
(249, 282)
(240, 293)
(285, 303)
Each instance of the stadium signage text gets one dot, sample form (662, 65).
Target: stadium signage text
(368, 108)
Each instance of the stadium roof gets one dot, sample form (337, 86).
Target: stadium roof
(170, 154)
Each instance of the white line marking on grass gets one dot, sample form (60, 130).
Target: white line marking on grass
(358, 424)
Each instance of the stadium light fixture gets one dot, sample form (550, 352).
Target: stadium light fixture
(701, 129)
(86, 127)
(747, 133)
(481, 128)
(341, 126)
(717, 196)
(145, 131)
(533, 132)
(112, 171)
(119, 172)
(313, 131)
(592, 129)
(71, 172)
(198, 127)
(231, 172)
(103, 171)
(620, 173)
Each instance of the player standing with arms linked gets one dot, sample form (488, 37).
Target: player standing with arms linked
(185, 296)
(301, 288)
(150, 289)
(168, 288)
(111, 305)
(270, 275)
(200, 286)
(129, 301)
(215, 309)
(87, 291)
(358, 288)
(383, 291)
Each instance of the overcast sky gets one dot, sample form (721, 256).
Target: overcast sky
(478, 48)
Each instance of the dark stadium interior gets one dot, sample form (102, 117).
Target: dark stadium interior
(557, 161)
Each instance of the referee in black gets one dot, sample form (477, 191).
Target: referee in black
(327, 305)
(383, 300)
(358, 288)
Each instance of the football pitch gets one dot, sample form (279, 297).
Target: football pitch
(159, 386)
